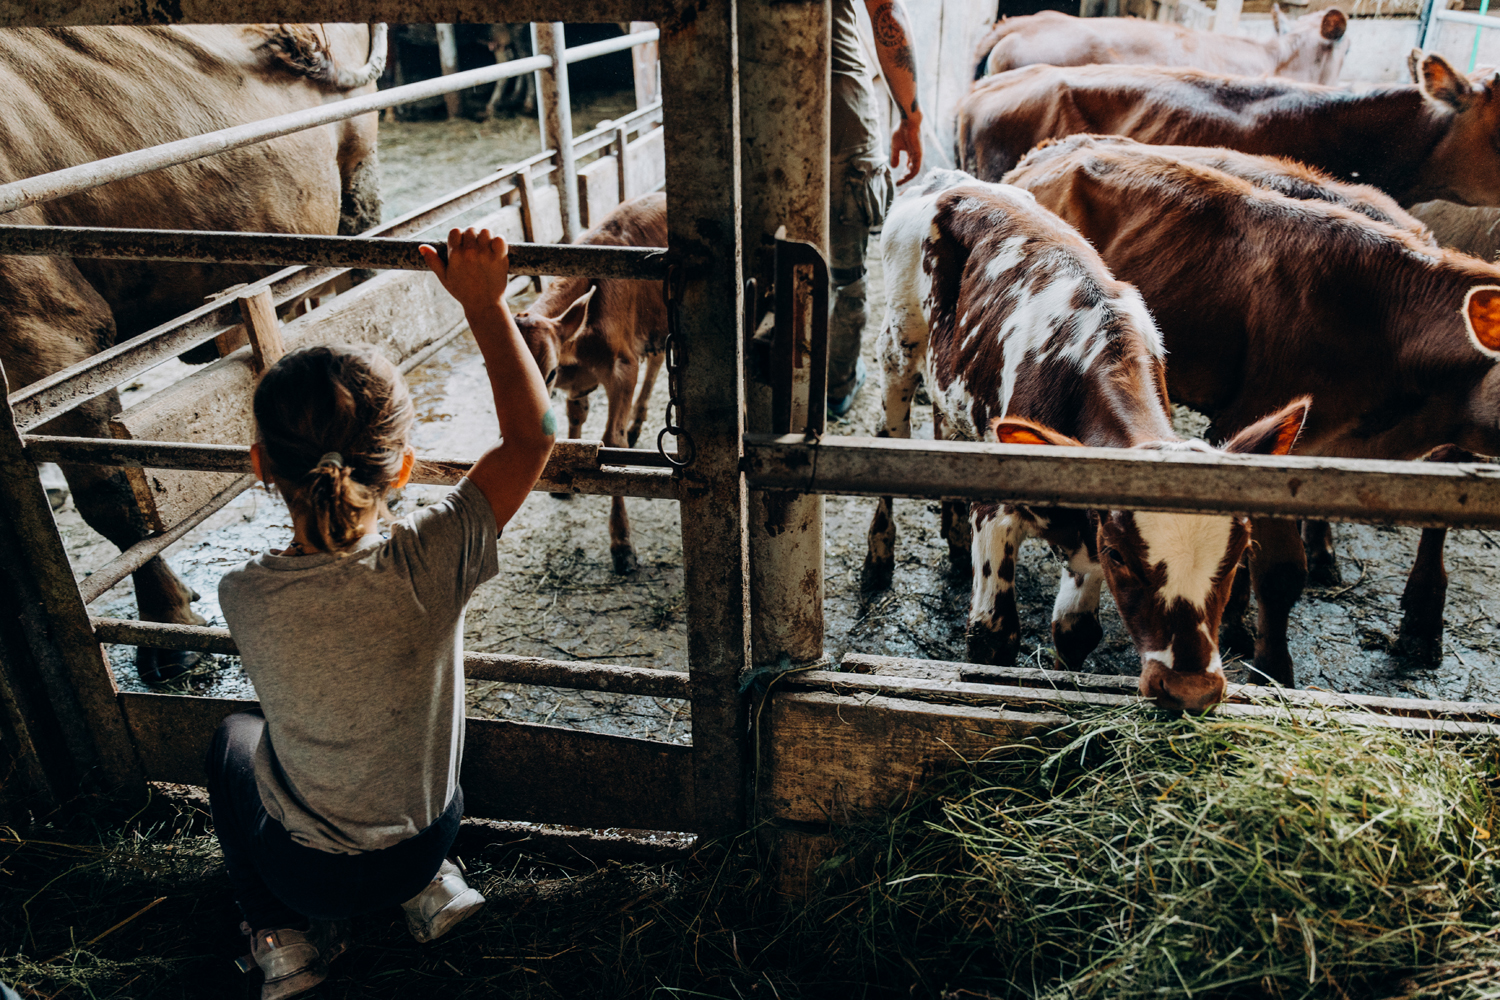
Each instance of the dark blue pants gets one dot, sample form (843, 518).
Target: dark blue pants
(280, 883)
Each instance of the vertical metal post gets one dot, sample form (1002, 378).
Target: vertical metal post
(73, 671)
(1426, 23)
(556, 109)
(701, 111)
(448, 59)
(784, 76)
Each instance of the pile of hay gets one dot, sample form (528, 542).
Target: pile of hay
(1134, 856)
(1204, 857)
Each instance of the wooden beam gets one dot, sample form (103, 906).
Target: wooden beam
(263, 329)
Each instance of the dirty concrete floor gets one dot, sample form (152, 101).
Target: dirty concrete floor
(558, 597)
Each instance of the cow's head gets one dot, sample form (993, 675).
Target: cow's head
(551, 338)
(1170, 573)
(1464, 166)
(1311, 47)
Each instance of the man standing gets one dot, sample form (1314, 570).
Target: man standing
(860, 188)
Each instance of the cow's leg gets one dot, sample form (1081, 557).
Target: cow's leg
(619, 391)
(899, 353)
(107, 503)
(1421, 636)
(1278, 571)
(1235, 638)
(643, 396)
(1322, 563)
(994, 630)
(954, 519)
(1075, 614)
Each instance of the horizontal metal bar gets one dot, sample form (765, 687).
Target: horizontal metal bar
(94, 586)
(46, 398)
(56, 12)
(1334, 489)
(85, 176)
(575, 466)
(1464, 17)
(578, 53)
(275, 249)
(581, 676)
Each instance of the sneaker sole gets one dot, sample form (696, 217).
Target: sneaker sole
(297, 982)
(463, 906)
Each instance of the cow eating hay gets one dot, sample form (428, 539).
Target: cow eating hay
(1025, 337)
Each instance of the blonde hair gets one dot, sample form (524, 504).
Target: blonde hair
(333, 423)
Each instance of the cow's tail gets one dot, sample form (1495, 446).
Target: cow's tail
(304, 51)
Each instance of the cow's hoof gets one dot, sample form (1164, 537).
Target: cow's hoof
(625, 561)
(1423, 652)
(1323, 569)
(876, 575)
(997, 649)
(561, 496)
(1074, 637)
(158, 666)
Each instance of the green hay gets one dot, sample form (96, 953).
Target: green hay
(1135, 856)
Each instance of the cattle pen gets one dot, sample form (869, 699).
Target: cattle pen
(743, 141)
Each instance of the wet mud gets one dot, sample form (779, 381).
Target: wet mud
(558, 597)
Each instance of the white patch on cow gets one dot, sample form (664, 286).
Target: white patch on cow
(991, 541)
(1077, 594)
(1028, 331)
(1162, 656)
(1131, 305)
(1191, 545)
(1007, 256)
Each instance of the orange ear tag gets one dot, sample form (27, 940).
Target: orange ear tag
(1481, 314)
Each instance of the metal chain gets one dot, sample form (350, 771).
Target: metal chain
(686, 450)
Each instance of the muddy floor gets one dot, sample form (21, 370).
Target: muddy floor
(558, 597)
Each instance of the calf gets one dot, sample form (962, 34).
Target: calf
(592, 332)
(1378, 327)
(1025, 338)
(1416, 142)
(1311, 48)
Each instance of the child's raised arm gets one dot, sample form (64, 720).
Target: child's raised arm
(475, 274)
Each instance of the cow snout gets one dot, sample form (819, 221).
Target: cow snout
(1190, 691)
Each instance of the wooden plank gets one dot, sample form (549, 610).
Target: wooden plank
(838, 758)
(1027, 677)
(598, 189)
(511, 770)
(643, 65)
(546, 214)
(645, 164)
(262, 328)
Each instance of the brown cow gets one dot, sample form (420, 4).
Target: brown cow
(1310, 48)
(1416, 142)
(71, 95)
(1024, 337)
(1366, 319)
(592, 332)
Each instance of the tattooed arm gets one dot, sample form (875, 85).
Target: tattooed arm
(898, 62)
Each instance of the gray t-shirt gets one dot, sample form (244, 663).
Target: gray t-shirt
(358, 663)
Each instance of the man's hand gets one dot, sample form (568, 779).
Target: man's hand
(908, 138)
(477, 270)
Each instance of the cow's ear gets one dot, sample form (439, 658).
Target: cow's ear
(1334, 24)
(1279, 18)
(1414, 64)
(573, 317)
(1443, 84)
(1273, 435)
(1482, 317)
(1013, 430)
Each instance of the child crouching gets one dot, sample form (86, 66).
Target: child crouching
(341, 795)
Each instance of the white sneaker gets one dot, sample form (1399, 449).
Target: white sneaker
(289, 960)
(435, 910)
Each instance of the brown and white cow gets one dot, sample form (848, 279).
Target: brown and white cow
(1310, 48)
(1025, 338)
(1260, 296)
(591, 332)
(1415, 142)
